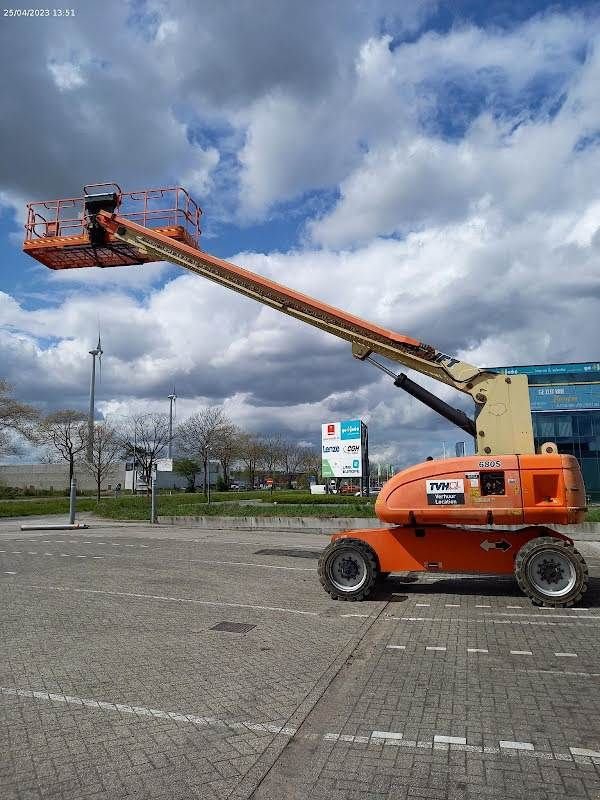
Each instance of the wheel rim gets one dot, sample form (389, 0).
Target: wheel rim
(551, 572)
(347, 570)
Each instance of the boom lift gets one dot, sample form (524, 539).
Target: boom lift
(434, 507)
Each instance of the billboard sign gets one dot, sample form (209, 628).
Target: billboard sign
(578, 397)
(342, 446)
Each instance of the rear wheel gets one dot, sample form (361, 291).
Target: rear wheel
(551, 572)
(348, 569)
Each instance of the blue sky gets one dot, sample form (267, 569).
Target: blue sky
(429, 166)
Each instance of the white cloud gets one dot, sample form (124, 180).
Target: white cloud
(67, 75)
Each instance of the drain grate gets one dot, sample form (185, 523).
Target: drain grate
(233, 627)
(291, 553)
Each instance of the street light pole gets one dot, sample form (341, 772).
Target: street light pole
(172, 398)
(90, 441)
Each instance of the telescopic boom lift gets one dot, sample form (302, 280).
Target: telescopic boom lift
(429, 504)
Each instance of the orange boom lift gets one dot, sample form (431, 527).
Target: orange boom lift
(436, 508)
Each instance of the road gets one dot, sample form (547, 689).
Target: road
(157, 662)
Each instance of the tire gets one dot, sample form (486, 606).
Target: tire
(348, 569)
(551, 572)
(382, 576)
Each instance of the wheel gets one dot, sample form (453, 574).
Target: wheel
(551, 571)
(381, 576)
(348, 569)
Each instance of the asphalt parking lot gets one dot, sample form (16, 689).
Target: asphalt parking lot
(157, 662)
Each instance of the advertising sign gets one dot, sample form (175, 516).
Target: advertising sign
(579, 397)
(342, 449)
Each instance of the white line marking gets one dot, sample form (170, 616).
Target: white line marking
(452, 605)
(142, 711)
(396, 647)
(386, 735)
(582, 751)
(2, 551)
(521, 653)
(514, 606)
(97, 556)
(490, 621)
(7, 572)
(517, 745)
(483, 606)
(449, 739)
(16, 551)
(354, 615)
(566, 655)
(436, 648)
(32, 552)
(87, 542)
(477, 650)
(48, 554)
(65, 555)
(80, 556)
(175, 599)
(422, 605)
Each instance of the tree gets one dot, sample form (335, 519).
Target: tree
(188, 468)
(227, 449)
(312, 462)
(199, 436)
(107, 448)
(291, 459)
(251, 453)
(64, 434)
(271, 454)
(145, 441)
(15, 417)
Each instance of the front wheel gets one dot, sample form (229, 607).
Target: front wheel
(551, 572)
(348, 569)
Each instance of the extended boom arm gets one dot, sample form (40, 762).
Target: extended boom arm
(502, 410)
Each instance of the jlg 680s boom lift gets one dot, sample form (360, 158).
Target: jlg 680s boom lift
(435, 507)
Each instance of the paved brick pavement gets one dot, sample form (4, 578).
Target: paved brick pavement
(113, 683)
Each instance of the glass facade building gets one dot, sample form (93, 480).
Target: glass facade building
(565, 407)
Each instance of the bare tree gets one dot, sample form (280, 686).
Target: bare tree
(107, 448)
(64, 433)
(199, 435)
(271, 455)
(291, 459)
(15, 418)
(311, 462)
(227, 448)
(145, 441)
(252, 454)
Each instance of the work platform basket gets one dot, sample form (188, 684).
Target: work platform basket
(61, 233)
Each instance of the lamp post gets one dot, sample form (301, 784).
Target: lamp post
(172, 398)
(97, 351)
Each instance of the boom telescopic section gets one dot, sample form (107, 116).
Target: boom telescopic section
(107, 227)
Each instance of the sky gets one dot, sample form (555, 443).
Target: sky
(431, 167)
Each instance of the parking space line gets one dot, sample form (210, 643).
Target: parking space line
(436, 648)
(477, 650)
(566, 655)
(516, 745)
(165, 598)
(396, 647)
(8, 572)
(521, 653)
(440, 739)
(376, 737)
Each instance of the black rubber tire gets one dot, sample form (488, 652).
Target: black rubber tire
(382, 576)
(566, 550)
(371, 568)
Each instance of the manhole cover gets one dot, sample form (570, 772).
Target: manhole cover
(233, 627)
(291, 553)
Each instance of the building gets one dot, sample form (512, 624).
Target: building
(565, 406)
(55, 477)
